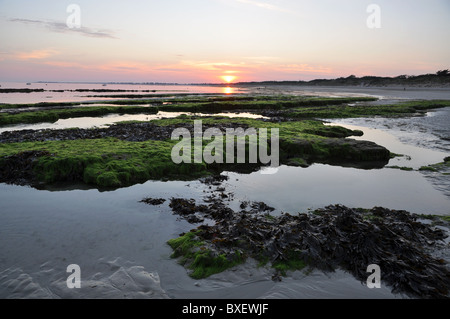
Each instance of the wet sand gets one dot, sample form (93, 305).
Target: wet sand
(383, 93)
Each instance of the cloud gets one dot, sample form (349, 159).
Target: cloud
(35, 54)
(39, 54)
(61, 27)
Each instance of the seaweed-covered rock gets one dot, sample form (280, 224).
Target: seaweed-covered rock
(333, 237)
(133, 132)
(19, 168)
(354, 150)
(153, 201)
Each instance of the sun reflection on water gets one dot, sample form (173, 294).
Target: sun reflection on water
(228, 90)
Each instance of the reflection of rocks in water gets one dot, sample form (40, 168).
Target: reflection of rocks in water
(215, 180)
(330, 238)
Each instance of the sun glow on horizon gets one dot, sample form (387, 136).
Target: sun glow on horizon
(228, 78)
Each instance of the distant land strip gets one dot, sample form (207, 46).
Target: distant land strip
(440, 78)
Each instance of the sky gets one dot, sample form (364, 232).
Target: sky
(215, 41)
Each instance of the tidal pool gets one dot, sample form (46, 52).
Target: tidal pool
(120, 243)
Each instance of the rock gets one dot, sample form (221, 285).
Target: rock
(18, 169)
(355, 150)
(153, 201)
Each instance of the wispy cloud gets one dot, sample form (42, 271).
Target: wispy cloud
(36, 54)
(62, 27)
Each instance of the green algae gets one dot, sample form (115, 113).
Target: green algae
(257, 104)
(402, 168)
(438, 167)
(290, 106)
(308, 140)
(54, 115)
(111, 162)
(202, 262)
(55, 111)
(367, 110)
(292, 262)
(105, 162)
(428, 168)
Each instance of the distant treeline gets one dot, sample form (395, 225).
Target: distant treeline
(439, 78)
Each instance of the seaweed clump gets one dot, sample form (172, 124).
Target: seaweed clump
(327, 239)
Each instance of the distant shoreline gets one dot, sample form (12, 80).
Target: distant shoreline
(441, 79)
(385, 86)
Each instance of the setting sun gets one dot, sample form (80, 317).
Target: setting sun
(228, 78)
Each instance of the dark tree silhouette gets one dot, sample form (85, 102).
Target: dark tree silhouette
(443, 72)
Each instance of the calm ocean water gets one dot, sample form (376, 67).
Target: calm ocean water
(52, 92)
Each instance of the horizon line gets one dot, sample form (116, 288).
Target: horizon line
(231, 83)
(224, 83)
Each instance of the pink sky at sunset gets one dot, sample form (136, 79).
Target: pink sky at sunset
(205, 40)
